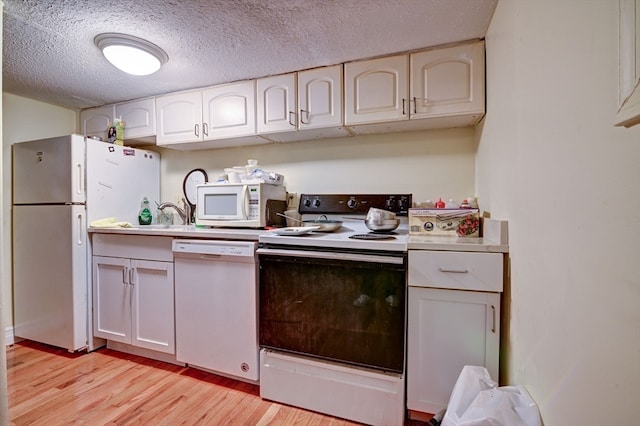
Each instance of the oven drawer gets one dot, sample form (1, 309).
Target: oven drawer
(456, 270)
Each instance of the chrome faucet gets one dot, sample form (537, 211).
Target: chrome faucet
(184, 213)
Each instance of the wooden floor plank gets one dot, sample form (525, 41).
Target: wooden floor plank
(49, 386)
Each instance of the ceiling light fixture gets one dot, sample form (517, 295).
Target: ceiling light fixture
(131, 54)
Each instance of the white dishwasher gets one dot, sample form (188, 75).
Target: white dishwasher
(216, 306)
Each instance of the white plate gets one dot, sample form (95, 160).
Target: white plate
(294, 230)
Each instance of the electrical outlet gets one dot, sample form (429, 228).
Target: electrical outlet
(291, 197)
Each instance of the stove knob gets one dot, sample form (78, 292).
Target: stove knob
(390, 204)
(307, 202)
(316, 203)
(402, 204)
(352, 203)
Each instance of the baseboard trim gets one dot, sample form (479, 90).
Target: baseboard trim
(9, 337)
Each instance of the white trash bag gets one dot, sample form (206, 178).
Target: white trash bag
(476, 400)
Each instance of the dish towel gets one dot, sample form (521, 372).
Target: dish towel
(109, 222)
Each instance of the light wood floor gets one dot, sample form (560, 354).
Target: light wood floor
(49, 386)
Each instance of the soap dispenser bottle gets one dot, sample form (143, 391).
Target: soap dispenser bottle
(145, 217)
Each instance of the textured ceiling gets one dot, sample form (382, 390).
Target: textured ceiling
(49, 55)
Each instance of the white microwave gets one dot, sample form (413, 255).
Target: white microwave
(240, 205)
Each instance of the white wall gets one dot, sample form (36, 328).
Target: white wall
(428, 164)
(23, 119)
(551, 162)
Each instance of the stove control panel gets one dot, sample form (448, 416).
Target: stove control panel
(354, 203)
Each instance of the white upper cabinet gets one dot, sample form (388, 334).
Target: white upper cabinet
(276, 104)
(435, 88)
(217, 117)
(139, 118)
(229, 110)
(95, 121)
(320, 98)
(448, 81)
(629, 50)
(179, 118)
(301, 106)
(376, 90)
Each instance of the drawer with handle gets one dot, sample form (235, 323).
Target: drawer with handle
(456, 270)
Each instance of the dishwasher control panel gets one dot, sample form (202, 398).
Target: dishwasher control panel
(219, 248)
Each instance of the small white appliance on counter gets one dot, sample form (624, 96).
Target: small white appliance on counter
(61, 185)
(240, 205)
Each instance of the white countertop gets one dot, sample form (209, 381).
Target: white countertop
(185, 231)
(495, 240)
(444, 243)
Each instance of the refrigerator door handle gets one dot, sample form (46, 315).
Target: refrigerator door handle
(81, 230)
(79, 179)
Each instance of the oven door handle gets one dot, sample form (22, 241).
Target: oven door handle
(333, 255)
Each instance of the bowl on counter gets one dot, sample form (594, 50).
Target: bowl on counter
(382, 225)
(380, 214)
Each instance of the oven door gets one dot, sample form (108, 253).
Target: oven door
(344, 307)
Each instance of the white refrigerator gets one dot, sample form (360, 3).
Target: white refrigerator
(61, 185)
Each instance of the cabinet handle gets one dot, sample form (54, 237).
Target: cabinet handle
(415, 105)
(196, 130)
(205, 129)
(132, 274)
(454, 271)
(125, 275)
(404, 101)
(292, 119)
(307, 114)
(493, 319)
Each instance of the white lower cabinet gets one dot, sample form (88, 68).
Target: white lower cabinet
(450, 328)
(133, 300)
(447, 330)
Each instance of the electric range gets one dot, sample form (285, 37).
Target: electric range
(332, 312)
(351, 209)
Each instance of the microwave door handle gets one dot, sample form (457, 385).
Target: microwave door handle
(245, 202)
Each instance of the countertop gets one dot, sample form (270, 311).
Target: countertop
(185, 231)
(443, 243)
(494, 241)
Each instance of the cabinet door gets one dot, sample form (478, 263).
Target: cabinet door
(152, 311)
(179, 118)
(112, 298)
(95, 121)
(376, 90)
(448, 81)
(139, 118)
(229, 110)
(629, 66)
(448, 329)
(276, 103)
(320, 97)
